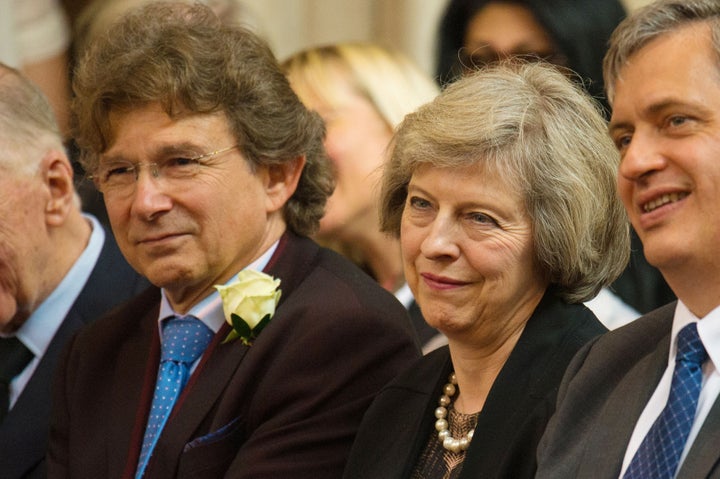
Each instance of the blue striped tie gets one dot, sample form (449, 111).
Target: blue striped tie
(659, 454)
(183, 341)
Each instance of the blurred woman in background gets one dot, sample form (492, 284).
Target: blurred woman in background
(362, 91)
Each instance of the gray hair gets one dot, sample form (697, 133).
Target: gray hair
(650, 22)
(27, 123)
(547, 138)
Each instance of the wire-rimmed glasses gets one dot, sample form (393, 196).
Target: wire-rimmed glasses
(119, 177)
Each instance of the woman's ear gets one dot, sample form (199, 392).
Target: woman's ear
(281, 182)
(57, 175)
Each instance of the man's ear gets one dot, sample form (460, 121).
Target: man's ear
(57, 175)
(281, 182)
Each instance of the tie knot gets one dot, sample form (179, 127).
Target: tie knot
(14, 356)
(184, 339)
(690, 347)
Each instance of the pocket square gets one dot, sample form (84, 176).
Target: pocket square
(218, 435)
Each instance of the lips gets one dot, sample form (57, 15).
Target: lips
(441, 282)
(662, 200)
(157, 238)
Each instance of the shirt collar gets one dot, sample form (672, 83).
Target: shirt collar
(40, 328)
(209, 310)
(708, 330)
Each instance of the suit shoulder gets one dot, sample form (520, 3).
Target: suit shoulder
(356, 287)
(635, 339)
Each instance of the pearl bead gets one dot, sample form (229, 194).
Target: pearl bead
(449, 389)
(442, 426)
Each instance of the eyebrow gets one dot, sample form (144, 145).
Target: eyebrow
(655, 109)
(183, 148)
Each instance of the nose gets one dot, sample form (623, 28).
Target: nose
(441, 240)
(150, 197)
(641, 157)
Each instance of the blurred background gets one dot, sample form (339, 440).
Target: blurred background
(291, 25)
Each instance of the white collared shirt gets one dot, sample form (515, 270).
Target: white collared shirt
(40, 328)
(709, 332)
(210, 310)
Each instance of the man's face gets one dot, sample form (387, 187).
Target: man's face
(25, 248)
(186, 235)
(666, 124)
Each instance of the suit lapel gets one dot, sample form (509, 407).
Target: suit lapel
(621, 411)
(26, 424)
(138, 358)
(704, 455)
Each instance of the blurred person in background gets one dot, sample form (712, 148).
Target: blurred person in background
(362, 91)
(35, 38)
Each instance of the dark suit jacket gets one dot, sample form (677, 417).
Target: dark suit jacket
(606, 388)
(287, 406)
(23, 434)
(399, 423)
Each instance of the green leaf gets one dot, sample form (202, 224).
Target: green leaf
(240, 326)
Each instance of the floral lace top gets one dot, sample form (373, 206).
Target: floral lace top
(436, 462)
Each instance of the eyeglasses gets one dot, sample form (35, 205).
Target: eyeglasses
(120, 177)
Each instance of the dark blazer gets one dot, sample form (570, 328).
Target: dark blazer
(399, 423)
(606, 388)
(23, 434)
(287, 406)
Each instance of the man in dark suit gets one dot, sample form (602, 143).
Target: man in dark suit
(59, 269)
(641, 401)
(213, 173)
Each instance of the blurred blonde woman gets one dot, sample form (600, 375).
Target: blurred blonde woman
(362, 91)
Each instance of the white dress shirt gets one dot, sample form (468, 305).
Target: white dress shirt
(709, 332)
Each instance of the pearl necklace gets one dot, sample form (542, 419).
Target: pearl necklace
(442, 426)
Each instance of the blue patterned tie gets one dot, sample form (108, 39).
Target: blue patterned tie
(183, 341)
(659, 454)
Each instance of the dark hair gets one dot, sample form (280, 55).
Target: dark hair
(186, 59)
(580, 29)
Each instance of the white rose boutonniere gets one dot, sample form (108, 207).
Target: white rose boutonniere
(249, 303)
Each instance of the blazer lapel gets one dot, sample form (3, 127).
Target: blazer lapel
(138, 358)
(704, 455)
(628, 400)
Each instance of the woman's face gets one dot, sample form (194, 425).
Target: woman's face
(468, 252)
(356, 139)
(501, 30)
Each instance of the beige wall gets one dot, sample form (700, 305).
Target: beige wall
(631, 4)
(408, 25)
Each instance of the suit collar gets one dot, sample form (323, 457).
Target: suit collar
(631, 393)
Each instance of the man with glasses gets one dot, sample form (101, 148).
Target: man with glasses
(212, 171)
